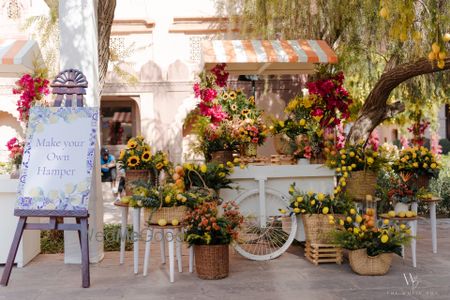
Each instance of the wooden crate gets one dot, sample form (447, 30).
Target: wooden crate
(323, 253)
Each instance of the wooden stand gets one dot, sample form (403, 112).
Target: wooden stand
(81, 226)
(68, 85)
(323, 253)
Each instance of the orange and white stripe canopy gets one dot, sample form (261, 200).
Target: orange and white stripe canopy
(266, 57)
(18, 57)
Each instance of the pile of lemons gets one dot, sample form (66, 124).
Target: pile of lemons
(402, 214)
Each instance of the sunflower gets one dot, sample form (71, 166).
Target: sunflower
(251, 100)
(233, 107)
(159, 166)
(232, 95)
(122, 154)
(146, 148)
(131, 144)
(146, 156)
(245, 112)
(133, 161)
(225, 96)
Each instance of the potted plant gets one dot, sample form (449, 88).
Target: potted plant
(357, 169)
(211, 233)
(140, 163)
(400, 193)
(419, 161)
(318, 212)
(370, 245)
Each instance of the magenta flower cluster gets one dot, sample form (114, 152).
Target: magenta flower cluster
(31, 89)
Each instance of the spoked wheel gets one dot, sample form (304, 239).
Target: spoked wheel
(265, 234)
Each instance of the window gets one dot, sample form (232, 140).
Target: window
(13, 10)
(118, 121)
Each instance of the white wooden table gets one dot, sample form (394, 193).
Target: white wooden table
(278, 178)
(432, 206)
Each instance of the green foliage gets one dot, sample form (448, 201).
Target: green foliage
(214, 175)
(52, 241)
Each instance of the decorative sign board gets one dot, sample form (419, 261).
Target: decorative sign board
(58, 159)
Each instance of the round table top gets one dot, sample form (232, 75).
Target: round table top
(385, 216)
(432, 199)
(120, 203)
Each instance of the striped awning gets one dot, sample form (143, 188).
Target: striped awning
(122, 117)
(18, 57)
(246, 57)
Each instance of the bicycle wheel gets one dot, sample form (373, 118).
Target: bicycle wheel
(265, 234)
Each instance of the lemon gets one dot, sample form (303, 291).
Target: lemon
(442, 55)
(401, 214)
(384, 238)
(162, 222)
(402, 226)
(168, 199)
(175, 222)
(358, 219)
(349, 219)
(125, 200)
(297, 210)
(299, 199)
(385, 221)
(409, 214)
(446, 37)
(363, 227)
(435, 48)
(352, 211)
(325, 210)
(391, 214)
(283, 211)
(341, 222)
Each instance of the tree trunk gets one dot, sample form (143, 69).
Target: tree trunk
(105, 14)
(375, 109)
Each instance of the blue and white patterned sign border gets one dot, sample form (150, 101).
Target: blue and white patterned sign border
(75, 196)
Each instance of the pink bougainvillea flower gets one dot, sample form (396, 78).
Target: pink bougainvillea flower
(197, 90)
(208, 94)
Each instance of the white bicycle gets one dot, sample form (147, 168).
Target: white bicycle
(266, 233)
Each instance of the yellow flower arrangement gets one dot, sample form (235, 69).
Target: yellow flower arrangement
(146, 156)
(132, 144)
(418, 160)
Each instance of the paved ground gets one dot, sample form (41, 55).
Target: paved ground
(288, 277)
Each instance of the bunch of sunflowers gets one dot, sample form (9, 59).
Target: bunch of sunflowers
(138, 156)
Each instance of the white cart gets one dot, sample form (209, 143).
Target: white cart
(261, 192)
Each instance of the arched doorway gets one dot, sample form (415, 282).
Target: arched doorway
(9, 128)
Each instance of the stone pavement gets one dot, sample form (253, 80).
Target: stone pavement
(289, 277)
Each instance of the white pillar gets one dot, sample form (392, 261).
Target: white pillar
(78, 50)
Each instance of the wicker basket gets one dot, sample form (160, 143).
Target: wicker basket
(249, 150)
(283, 144)
(318, 228)
(166, 213)
(222, 157)
(211, 261)
(134, 175)
(422, 181)
(363, 264)
(361, 183)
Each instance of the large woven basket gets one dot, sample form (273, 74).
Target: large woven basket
(212, 261)
(166, 213)
(134, 175)
(318, 228)
(361, 183)
(363, 264)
